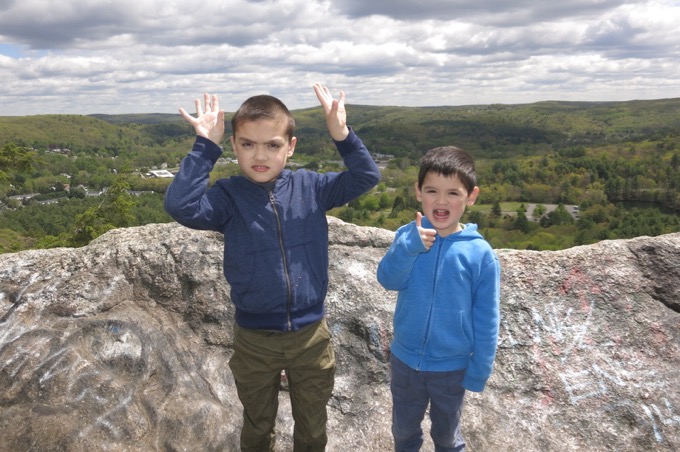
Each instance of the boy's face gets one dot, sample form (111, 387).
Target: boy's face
(262, 148)
(444, 200)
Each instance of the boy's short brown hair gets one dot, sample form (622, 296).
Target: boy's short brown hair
(263, 106)
(449, 161)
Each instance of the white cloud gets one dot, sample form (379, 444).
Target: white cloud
(96, 56)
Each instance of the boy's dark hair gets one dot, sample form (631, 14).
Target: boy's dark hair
(263, 106)
(449, 161)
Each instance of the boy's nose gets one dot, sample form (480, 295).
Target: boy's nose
(260, 154)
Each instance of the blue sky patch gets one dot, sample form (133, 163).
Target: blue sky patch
(11, 50)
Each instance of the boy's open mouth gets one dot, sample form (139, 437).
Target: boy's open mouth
(440, 213)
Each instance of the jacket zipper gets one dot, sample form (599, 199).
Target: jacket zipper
(429, 316)
(272, 200)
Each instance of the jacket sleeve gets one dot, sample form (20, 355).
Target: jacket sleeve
(186, 198)
(361, 175)
(486, 323)
(394, 269)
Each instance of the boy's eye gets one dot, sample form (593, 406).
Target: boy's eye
(274, 146)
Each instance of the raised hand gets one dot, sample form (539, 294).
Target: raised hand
(209, 121)
(426, 235)
(336, 116)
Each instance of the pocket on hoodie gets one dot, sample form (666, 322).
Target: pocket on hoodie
(240, 271)
(256, 277)
(447, 336)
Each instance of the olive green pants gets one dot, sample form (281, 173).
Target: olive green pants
(308, 359)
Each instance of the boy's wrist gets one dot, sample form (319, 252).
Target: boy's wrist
(210, 149)
(341, 135)
(208, 140)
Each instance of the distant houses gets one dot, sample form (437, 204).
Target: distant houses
(160, 174)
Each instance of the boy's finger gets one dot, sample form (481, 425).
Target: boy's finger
(185, 114)
(419, 219)
(321, 94)
(333, 113)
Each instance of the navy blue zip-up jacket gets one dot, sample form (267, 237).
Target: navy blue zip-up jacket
(275, 236)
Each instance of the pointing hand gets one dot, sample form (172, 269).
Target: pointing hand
(426, 235)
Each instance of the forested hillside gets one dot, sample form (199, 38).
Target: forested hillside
(552, 174)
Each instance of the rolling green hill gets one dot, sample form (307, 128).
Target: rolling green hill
(489, 131)
(618, 162)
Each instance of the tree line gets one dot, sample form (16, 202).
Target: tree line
(618, 162)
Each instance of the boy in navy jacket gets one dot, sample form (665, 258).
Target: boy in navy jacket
(447, 315)
(275, 253)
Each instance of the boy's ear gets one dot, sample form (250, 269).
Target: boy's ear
(472, 197)
(419, 194)
(291, 146)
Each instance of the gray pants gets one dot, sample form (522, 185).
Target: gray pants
(309, 361)
(412, 391)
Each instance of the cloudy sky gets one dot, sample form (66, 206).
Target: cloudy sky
(154, 56)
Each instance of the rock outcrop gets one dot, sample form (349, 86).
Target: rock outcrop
(123, 345)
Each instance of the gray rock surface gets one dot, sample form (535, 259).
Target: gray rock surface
(123, 345)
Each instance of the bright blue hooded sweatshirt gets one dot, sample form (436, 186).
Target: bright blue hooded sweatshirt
(275, 235)
(447, 314)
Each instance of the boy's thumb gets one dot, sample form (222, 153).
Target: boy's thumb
(419, 219)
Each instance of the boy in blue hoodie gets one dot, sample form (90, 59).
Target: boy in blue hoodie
(447, 315)
(275, 253)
